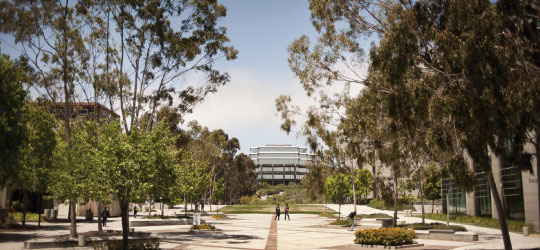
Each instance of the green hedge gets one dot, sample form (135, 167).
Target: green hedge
(385, 236)
(513, 225)
(202, 226)
(115, 245)
(344, 222)
(427, 226)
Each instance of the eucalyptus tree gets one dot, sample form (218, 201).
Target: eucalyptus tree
(12, 128)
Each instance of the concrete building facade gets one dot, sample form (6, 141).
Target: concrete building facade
(518, 191)
(280, 164)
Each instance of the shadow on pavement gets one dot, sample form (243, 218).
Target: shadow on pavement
(16, 237)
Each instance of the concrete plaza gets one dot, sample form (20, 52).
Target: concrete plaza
(261, 231)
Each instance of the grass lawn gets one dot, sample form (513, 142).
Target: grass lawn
(513, 225)
(271, 209)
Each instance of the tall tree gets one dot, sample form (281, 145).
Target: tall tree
(338, 188)
(12, 128)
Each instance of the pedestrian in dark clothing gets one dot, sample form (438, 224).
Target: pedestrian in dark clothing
(287, 211)
(202, 205)
(104, 216)
(351, 217)
(278, 211)
(135, 209)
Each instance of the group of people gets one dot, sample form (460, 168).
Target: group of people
(278, 212)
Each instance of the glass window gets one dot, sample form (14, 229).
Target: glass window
(458, 202)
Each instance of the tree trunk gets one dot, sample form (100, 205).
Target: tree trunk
(422, 194)
(73, 213)
(162, 206)
(500, 213)
(353, 189)
(124, 213)
(394, 175)
(537, 147)
(448, 205)
(69, 212)
(25, 201)
(39, 208)
(185, 204)
(100, 221)
(339, 217)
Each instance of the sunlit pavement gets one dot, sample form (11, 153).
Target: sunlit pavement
(255, 231)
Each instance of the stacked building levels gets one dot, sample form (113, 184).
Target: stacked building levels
(280, 164)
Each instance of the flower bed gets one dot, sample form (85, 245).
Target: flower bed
(385, 236)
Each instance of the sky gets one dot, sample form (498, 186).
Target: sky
(245, 107)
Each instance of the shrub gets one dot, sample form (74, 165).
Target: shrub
(385, 236)
(427, 226)
(220, 216)
(202, 226)
(114, 245)
(10, 226)
(344, 222)
(327, 214)
(247, 200)
(30, 217)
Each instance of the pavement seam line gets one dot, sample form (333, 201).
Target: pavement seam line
(271, 241)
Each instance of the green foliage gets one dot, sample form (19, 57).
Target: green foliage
(385, 237)
(383, 205)
(12, 127)
(338, 187)
(115, 245)
(427, 226)
(202, 227)
(342, 222)
(363, 180)
(10, 226)
(220, 216)
(513, 225)
(432, 183)
(18, 216)
(246, 200)
(270, 209)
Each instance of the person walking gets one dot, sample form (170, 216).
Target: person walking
(278, 211)
(135, 209)
(104, 216)
(287, 211)
(351, 217)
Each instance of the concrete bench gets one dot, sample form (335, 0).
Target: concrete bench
(443, 234)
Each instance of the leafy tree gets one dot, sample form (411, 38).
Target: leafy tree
(315, 179)
(338, 188)
(364, 182)
(36, 157)
(12, 128)
(219, 191)
(432, 183)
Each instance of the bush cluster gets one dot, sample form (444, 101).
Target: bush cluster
(202, 226)
(220, 216)
(10, 226)
(115, 245)
(427, 226)
(344, 222)
(385, 236)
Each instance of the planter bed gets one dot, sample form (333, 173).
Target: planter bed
(389, 247)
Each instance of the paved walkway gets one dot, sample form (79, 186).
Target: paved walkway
(260, 231)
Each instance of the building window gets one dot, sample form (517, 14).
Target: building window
(482, 195)
(458, 202)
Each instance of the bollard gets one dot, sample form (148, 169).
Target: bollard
(132, 230)
(525, 231)
(47, 213)
(82, 240)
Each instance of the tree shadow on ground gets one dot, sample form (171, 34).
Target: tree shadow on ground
(210, 235)
(15, 237)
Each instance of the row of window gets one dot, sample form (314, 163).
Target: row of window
(279, 177)
(289, 154)
(284, 161)
(278, 149)
(281, 169)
